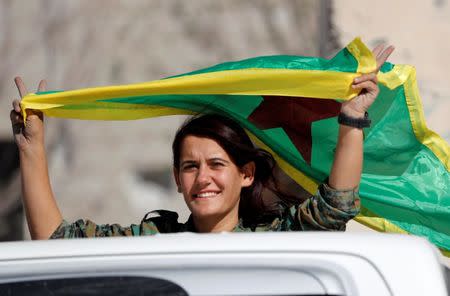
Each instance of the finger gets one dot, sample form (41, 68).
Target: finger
(32, 112)
(383, 56)
(20, 86)
(16, 106)
(42, 85)
(377, 50)
(15, 117)
(365, 77)
(369, 85)
(17, 128)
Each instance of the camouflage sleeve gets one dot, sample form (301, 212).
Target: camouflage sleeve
(329, 209)
(87, 228)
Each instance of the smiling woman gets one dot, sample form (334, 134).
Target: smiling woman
(210, 183)
(220, 173)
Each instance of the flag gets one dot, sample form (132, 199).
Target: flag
(289, 106)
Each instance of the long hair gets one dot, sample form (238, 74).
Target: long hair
(253, 209)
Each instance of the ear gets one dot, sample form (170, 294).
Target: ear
(248, 174)
(177, 179)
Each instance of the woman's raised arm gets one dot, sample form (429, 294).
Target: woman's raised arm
(348, 160)
(42, 212)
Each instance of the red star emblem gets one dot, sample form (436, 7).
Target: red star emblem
(295, 115)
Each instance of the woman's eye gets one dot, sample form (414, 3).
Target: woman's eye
(217, 164)
(189, 167)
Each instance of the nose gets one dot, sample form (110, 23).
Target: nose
(203, 176)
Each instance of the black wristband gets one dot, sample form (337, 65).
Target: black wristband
(354, 122)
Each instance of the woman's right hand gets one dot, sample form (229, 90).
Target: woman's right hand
(42, 212)
(32, 135)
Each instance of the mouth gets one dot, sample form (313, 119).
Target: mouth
(209, 194)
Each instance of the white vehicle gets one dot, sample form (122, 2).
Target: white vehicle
(225, 264)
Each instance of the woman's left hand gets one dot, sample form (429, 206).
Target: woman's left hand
(367, 83)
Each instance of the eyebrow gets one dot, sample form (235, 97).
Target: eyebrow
(218, 158)
(209, 159)
(187, 162)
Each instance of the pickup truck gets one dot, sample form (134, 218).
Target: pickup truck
(307, 263)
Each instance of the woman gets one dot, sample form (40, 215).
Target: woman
(220, 174)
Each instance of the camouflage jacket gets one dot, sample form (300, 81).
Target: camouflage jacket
(329, 209)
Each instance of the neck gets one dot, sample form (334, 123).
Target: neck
(216, 224)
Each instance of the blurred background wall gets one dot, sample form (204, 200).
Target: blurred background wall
(118, 171)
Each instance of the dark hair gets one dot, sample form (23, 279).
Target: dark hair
(235, 141)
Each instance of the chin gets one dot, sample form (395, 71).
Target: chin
(202, 211)
(209, 209)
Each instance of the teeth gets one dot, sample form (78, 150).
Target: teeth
(206, 194)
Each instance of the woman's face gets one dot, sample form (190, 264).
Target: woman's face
(210, 182)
